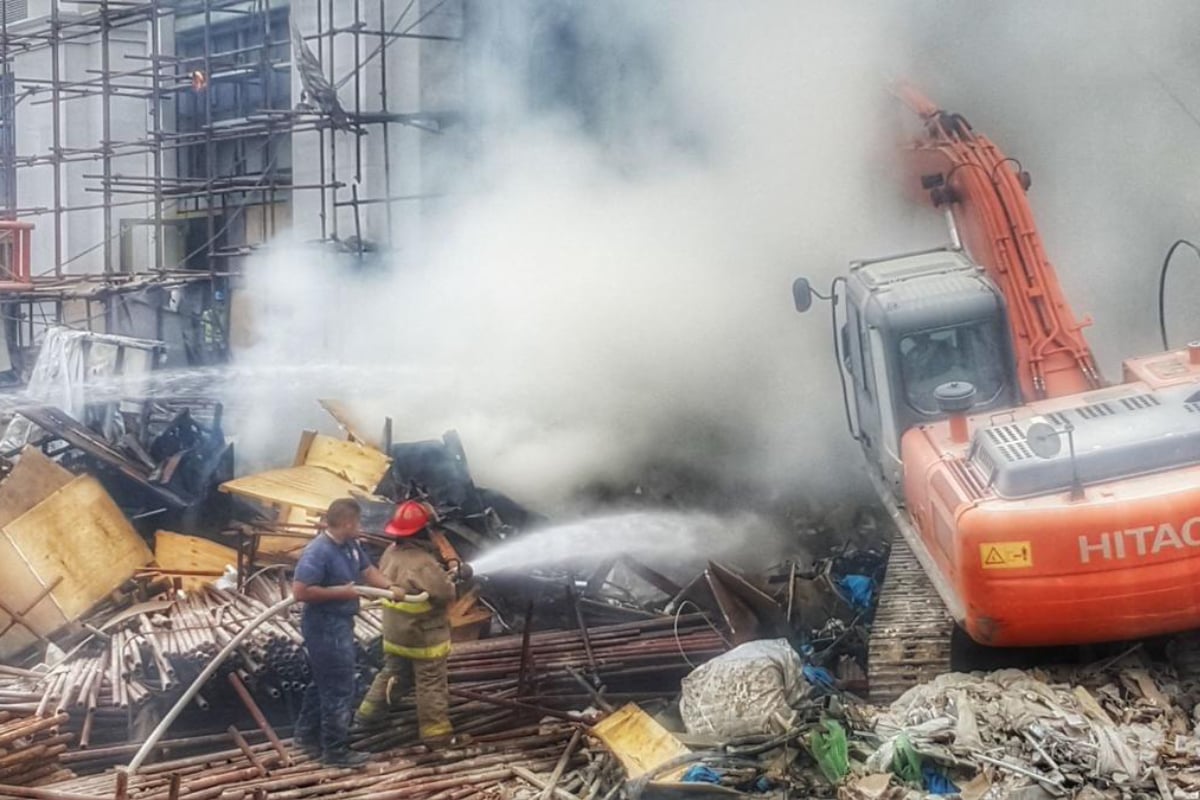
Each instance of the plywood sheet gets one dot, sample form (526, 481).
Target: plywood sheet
(307, 487)
(175, 552)
(347, 422)
(79, 533)
(325, 469)
(20, 587)
(288, 548)
(306, 440)
(360, 464)
(639, 742)
(32, 480)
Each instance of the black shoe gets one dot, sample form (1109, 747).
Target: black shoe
(363, 724)
(345, 758)
(306, 744)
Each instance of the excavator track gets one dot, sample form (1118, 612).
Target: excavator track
(910, 639)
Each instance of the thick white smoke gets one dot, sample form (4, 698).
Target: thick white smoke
(1100, 102)
(597, 302)
(608, 295)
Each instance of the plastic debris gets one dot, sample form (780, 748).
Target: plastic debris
(749, 690)
(859, 590)
(831, 751)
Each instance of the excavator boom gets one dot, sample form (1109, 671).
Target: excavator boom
(985, 191)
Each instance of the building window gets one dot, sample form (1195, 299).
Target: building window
(15, 10)
(248, 60)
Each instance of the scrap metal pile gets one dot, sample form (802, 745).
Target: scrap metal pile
(608, 682)
(30, 747)
(1125, 728)
(1122, 729)
(565, 650)
(554, 755)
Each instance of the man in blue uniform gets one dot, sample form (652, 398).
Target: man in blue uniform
(332, 563)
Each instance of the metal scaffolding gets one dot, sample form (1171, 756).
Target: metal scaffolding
(207, 161)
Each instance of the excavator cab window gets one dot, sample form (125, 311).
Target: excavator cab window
(968, 352)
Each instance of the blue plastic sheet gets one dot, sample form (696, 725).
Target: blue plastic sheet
(937, 783)
(820, 678)
(698, 773)
(859, 590)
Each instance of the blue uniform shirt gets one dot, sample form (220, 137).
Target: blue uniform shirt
(324, 562)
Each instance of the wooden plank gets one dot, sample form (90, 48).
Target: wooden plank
(738, 617)
(32, 480)
(177, 552)
(308, 487)
(324, 470)
(62, 426)
(281, 546)
(287, 549)
(306, 440)
(467, 617)
(344, 419)
(19, 586)
(79, 533)
(361, 465)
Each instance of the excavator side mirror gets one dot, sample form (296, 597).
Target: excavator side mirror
(802, 294)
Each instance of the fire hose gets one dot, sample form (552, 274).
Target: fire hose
(219, 658)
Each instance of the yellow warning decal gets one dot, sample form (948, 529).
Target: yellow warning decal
(1006, 555)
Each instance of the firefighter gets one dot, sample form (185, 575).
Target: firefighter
(332, 563)
(416, 636)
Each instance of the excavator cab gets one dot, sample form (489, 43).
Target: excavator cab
(910, 324)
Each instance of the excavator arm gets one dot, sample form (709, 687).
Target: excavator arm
(985, 191)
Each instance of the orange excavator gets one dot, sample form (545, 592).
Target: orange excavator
(1037, 504)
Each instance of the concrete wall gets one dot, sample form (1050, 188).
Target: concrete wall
(81, 127)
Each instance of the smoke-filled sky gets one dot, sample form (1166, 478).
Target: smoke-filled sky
(610, 287)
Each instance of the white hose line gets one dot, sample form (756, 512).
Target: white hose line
(219, 659)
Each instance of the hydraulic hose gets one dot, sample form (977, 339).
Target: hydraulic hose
(1162, 288)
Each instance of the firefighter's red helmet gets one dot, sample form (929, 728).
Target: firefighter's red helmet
(410, 517)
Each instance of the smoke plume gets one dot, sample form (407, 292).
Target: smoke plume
(608, 289)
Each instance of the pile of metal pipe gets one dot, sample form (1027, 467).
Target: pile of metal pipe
(471, 771)
(30, 748)
(104, 683)
(98, 759)
(643, 652)
(112, 675)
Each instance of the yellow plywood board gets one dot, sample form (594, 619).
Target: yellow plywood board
(639, 742)
(360, 464)
(32, 480)
(280, 549)
(308, 487)
(19, 588)
(288, 548)
(325, 470)
(347, 422)
(80, 534)
(174, 552)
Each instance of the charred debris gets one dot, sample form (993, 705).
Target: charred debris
(132, 553)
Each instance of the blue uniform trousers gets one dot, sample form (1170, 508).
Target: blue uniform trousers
(328, 704)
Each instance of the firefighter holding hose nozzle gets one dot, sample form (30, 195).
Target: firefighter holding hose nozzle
(416, 636)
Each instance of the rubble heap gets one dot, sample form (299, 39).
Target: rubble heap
(1130, 728)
